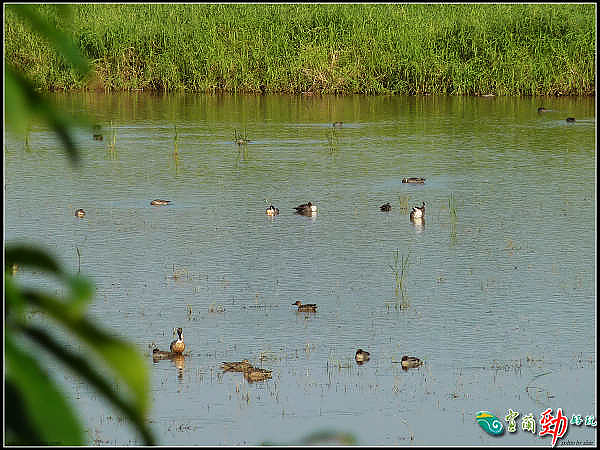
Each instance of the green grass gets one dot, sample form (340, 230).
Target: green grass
(455, 49)
(400, 270)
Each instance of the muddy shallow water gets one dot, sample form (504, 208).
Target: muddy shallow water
(498, 294)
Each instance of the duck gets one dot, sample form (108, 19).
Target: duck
(272, 211)
(337, 124)
(97, 133)
(410, 362)
(256, 374)
(158, 202)
(80, 213)
(309, 307)
(414, 180)
(361, 356)
(161, 354)
(570, 119)
(418, 212)
(541, 109)
(386, 207)
(240, 366)
(306, 209)
(178, 346)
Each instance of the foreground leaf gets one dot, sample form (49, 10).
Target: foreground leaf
(47, 410)
(120, 356)
(28, 102)
(81, 367)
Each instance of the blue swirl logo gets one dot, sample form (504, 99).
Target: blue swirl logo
(490, 423)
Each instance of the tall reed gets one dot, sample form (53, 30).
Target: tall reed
(400, 271)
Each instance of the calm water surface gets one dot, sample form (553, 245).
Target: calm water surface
(498, 297)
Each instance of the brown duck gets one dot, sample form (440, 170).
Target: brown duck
(310, 307)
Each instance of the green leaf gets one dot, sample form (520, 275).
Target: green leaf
(81, 366)
(15, 101)
(120, 356)
(18, 424)
(30, 102)
(47, 410)
(15, 303)
(27, 255)
(82, 292)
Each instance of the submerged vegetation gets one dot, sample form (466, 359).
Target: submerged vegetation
(414, 49)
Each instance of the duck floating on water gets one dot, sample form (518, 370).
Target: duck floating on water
(272, 211)
(178, 346)
(240, 366)
(410, 362)
(80, 213)
(541, 109)
(414, 180)
(161, 354)
(310, 307)
(361, 356)
(308, 209)
(418, 212)
(159, 202)
(257, 374)
(386, 207)
(570, 119)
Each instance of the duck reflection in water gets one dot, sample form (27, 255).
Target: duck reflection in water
(178, 359)
(419, 224)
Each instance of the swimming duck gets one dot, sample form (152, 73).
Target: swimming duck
(159, 202)
(386, 207)
(418, 212)
(80, 213)
(361, 356)
(161, 354)
(241, 366)
(178, 346)
(570, 119)
(272, 211)
(256, 374)
(97, 133)
(337, 124)
(414, 180)
(542, 109)
(410, 362)
(310, 307)
(306, 209)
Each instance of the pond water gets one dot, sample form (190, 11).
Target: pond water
(497, 295)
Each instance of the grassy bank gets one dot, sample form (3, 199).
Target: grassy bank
(502, 49)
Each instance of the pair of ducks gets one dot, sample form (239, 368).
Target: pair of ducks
(542, 110)
(362, 356)
(176, 348)
(307, 209)
(418, 212)
(81, 213)
(251, 373)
